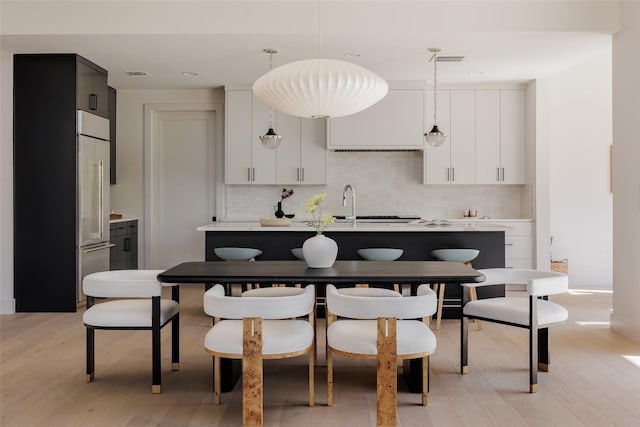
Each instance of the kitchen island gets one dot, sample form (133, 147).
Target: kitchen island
(417, 241)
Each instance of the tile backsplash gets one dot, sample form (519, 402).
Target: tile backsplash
(386, 183)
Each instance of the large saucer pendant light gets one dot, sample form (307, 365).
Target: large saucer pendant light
(271, 139)
(435, 137)
(320, 88)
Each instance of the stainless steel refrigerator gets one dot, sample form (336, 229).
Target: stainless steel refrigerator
(93, 196)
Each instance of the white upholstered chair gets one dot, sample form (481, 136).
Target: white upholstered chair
(253, 328)
(383, 328)
(535, 312)
(134, 303)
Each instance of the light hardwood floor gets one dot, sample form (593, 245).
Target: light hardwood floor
(591, 382)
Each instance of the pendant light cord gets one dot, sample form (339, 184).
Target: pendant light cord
(435, 88)
(319, 29)
(270, 107)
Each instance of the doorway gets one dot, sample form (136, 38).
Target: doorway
(181, 165)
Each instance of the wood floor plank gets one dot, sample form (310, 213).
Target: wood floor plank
(590, 383)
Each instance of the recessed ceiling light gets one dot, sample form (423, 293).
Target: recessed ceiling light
(189, 73)
(137, 74)
(353, 55)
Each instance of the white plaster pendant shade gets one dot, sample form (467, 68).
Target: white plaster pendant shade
(435, 137)
(320, 88)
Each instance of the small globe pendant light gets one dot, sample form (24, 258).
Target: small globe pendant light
(271, 139)
(435, 137)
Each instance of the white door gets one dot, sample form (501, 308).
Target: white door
(183, 176)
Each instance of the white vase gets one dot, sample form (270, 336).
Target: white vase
(320, 251)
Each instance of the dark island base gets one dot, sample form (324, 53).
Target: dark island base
(277, 245)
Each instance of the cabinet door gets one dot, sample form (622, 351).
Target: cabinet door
(238, 137)
(396, 121)
(288, 153)
(263, 160)
(437, 160)
(488, 137)
(91, 89)
(313, 156)
(512, 131)
(463, 137)
(131, 250)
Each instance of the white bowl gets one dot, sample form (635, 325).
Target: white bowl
(237, 254)
(456, 255)
(380, 254)
(297, 252)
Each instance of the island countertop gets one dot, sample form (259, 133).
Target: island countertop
(455, 226)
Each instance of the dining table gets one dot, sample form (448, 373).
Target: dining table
(234, 274)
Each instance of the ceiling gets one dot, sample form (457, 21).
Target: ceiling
(220, 53)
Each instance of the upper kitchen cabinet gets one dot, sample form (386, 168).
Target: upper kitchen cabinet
(300, 158)
(394, 123)
(500, 136)
(91, 94)
(454, 161)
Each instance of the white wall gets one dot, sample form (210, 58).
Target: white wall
(579, 133)
(127, 195)
(7, 303)
(626, 199)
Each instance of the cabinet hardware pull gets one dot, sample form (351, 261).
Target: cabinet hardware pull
(508, 244)
(502, 174)
(253, 174)
(453, 174)
(448, 174)
(101, 202)
(249, 174)
(497, 174)
(127, 244)
(100, 248)
(298, 174)
(302, 174)
(93, 101)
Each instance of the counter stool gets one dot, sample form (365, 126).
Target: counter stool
(238, 254)
(380, 254)
(454, 255)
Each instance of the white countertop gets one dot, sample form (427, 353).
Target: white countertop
(462, 225)
(114, 221)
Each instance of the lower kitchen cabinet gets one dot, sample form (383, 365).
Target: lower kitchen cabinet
(124, 235)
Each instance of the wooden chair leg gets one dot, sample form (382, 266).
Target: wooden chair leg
(441, 288)
(91, 342)
(387, 373)
(425, 380)
(252, 393)
(329, 377)
(464, 345)
(216, 380)
(312, 379)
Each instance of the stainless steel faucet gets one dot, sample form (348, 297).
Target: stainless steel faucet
(353, 203)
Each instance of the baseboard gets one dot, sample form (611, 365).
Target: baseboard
(8, 306)
(623, 328)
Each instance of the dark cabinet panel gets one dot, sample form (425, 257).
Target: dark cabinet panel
(45, 104)
(124, 255)
(112, 133)
(91, 92)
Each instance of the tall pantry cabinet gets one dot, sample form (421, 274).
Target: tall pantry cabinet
(48, 89)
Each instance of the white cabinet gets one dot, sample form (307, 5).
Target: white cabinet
(454, 161)
(300, 158)
(518, 241)
(500, 136)
(395, 122)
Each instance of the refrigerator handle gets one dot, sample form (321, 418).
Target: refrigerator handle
(101, 199)
(99, 248)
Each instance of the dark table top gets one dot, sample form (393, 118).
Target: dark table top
(409, 272)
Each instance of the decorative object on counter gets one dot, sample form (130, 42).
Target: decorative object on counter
(320, 88)
(113, 216)
(275, 222)
(435, 137)
(271, 139)
(297, 252)
(279, 213)
(471, 213)
(237, 254)
(319, 251)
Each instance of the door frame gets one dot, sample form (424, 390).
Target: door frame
(150, 117)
